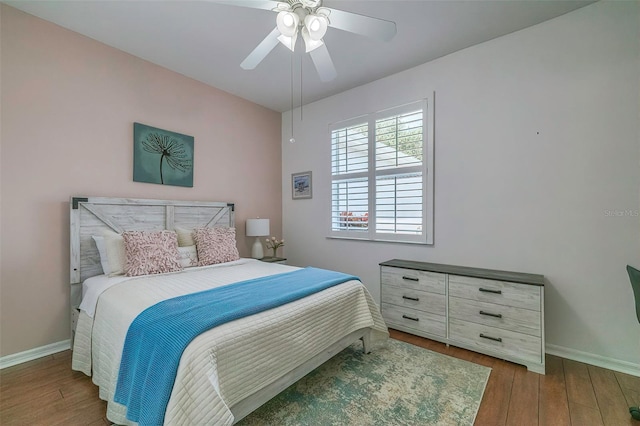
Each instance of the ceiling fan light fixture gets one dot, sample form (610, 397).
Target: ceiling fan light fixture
(310, 19)
(287, 22)
(316, 25)
(310, 44)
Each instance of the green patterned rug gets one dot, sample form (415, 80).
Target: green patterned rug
(399, 384)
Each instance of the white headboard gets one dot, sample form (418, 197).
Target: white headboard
(92, 215)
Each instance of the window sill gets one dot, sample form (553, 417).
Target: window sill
(378, 240)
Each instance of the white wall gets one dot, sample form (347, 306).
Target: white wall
(537, 153)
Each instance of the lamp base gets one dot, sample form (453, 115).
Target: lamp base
(256, 250)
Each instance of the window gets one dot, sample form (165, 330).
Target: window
(382, 176)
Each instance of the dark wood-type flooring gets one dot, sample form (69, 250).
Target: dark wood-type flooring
(47, 392)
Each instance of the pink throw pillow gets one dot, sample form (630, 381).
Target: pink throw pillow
(151, 252)
(216, 245)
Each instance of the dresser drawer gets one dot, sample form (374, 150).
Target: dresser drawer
(409, 278)
(420, 321)
(500, 292)
(415, 299)
(496, 340)
(506, 317)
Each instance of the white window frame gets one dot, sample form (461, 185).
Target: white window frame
(427, 170)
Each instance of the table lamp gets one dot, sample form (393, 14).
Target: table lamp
(257, 228)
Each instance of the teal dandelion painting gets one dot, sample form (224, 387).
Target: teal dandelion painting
(161, 156)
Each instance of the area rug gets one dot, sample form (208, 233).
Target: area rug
(399, 384)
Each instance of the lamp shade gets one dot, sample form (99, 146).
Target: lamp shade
(309, 43)
(257, 227)
(316, 25)
(287, 23)
(290, 42)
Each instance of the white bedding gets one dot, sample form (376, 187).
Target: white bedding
(93, 287)
(228, 363)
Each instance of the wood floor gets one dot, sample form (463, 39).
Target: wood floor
(47, 392)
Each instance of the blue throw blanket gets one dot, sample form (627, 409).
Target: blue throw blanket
(158, 336)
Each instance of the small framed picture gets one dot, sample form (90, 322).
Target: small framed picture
(301, 185)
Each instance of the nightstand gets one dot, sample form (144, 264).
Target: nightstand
(271, 259)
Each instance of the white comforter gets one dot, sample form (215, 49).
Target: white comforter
(228, 363)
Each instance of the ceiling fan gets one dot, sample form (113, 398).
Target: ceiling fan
(309, 19)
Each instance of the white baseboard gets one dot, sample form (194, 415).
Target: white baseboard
(561, 351)
(35, 353)
(597, 360)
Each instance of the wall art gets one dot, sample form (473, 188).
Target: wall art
(161, 156)
(301, 185)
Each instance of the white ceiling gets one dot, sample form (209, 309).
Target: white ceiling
(208, 41)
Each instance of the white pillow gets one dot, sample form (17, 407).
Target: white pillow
(115, 252)
(188, 256)
(185, 237)
(102, 250)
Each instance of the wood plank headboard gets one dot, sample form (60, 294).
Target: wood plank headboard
(92, 215)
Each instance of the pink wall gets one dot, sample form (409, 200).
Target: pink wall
(68, 107)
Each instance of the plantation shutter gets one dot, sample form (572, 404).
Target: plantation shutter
(381, 170)
(398, 174)
(349, 172)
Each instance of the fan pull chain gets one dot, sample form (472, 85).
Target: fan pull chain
(301, 88)
(292, 139)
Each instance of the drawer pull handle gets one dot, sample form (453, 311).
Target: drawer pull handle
(495, 339)
(404, 277)
(488, 290)
(415, 299)
(489, 314)
(410, 318)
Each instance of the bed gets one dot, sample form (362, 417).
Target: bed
(224, 373)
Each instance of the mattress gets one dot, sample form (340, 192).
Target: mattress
(227, 364)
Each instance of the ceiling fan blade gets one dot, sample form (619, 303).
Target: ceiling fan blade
(324, 65)
(361, 24)
(261, 50)
(254, 4)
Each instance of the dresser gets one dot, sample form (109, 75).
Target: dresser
(497, 313)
